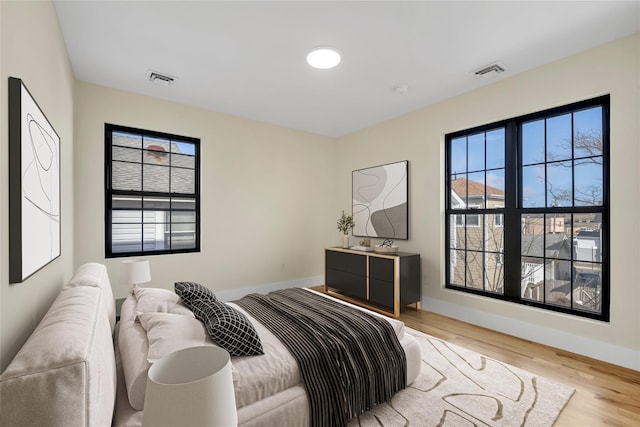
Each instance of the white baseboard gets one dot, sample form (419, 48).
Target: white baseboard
(606, 352)
(233, 294)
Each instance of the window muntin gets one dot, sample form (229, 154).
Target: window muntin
(549, 229)
(152, 197)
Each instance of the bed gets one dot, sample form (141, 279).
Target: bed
(153, 322)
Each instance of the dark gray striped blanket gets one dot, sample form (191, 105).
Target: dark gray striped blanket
(349, 360)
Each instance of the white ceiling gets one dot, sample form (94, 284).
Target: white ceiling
(248, 58)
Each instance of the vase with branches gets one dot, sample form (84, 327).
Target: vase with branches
(345, 225)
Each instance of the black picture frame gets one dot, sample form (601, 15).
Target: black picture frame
(380, 201)
(34, 186)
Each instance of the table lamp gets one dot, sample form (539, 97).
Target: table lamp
(135, 271)
(191, 387)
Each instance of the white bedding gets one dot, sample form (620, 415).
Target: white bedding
(265, 386)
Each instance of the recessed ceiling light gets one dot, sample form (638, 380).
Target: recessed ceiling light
(323, 57)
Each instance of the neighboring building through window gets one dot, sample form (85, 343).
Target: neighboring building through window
(152, 196)
(527, 209)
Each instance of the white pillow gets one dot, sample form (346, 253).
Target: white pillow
(156, 300)
(168, 332)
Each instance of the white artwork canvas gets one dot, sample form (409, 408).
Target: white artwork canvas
(35, 192)
(380, 201)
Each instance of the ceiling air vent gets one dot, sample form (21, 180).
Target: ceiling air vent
(160, 79)
(490, 70)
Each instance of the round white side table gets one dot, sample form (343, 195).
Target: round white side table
(192, 387)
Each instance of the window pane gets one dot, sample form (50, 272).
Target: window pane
(126, 154)
(559, 184)
(475, 271)
(587, 287)
(459, 192)
(498, 220)
(533, 142)
(126, 202)
(183, 240)
(126, 140)
(532, 279)
(156, 178)
(125, 176)
(179, 160)
(154, 236)
(183, 204)
(559, 138)
(156, 203)
(476, 152)
(558, 282)
(183, 181)
(178, 217)
(495, 149)
(495, 188)
(533, 193)
(126, 217)
(587, 243)
(587, 132)
(532, 238)
(457, 265)
(458, 155)
(494, 235)
(475, 234)
(126, 237)
(457, 231)
(156, 151)
(495, 273)
(588, 182)
(475, 190)
(157, 145)
(558, 236)
(182, 227)
(186, 148)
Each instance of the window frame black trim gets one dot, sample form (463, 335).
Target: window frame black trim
(512, 208)
(109, 128)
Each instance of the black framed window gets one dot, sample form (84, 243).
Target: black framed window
(152, 196)
(527, 209)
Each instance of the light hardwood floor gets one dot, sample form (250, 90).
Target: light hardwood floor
(606, 394)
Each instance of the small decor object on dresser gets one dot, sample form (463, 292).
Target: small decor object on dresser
(345, 224)
(34, 185)
(386, 247)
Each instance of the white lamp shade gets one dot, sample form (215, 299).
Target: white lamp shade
(191, 387)
(135, 271)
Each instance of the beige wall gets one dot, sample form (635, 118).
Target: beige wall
(270, 195)
(419, 137)
(267, 194)
(32, 48)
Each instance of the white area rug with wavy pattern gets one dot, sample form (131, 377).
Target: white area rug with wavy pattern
(459, 388)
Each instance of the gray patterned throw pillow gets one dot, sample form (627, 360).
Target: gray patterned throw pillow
(192, 291)
(229, 328)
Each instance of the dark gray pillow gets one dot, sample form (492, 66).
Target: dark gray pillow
(229, 328)
(192, 291)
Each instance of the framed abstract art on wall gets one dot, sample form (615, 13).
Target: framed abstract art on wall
(34, 185)
(380, 201)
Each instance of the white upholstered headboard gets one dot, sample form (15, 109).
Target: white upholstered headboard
(65, 374)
